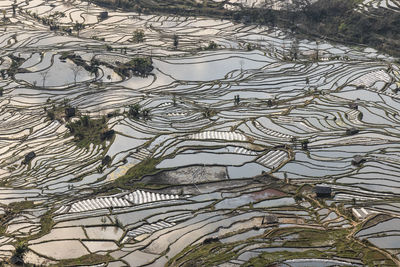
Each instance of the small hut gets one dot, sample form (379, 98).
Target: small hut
(358, 160)
(29, 157)
(103, 15)
(70, 112)
(352, 131)
(323, 191)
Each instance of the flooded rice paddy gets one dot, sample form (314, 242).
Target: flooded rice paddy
(236, 138)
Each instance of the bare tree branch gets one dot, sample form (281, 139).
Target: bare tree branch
(44, 75)
(76, 70)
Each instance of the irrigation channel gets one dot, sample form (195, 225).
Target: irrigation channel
(238, 131)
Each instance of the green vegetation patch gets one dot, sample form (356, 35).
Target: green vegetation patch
(268, 258)
(88, 131)
(10, 212)
(46, 223)
(57, 112)
(17, 207)
(340, 241)
(141, 66)
(15, 64)
(315, 243)
(90, 259)
(138, 36)
(146, 167)
(136, 111)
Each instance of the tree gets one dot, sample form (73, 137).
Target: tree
(13, 9)
(176, 41)
(208, 112)
(316, 55)
(294, 50)
(174, 99)
(85, 121)
(19, 253)
(94, 70)
(44, 75)
(268, 4)
(76, 69)
(139, 65)
(134, 110)
(138, 36)
(304, 144)
(241, 62)
(78, 26)
(211, 46)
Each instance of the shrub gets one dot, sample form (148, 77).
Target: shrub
(138, 36)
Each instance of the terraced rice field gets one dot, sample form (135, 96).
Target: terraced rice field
(204, 179)
(370, 5)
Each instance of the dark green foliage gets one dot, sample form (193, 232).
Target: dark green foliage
(19, 253)
(79, 61)
(79, 26)
(211, 46)
(130, 179)
(208, 113)
(51, 115)
(89, 131)
(138, 36)
(140, 66)
(136, 111)
(338, 19)
(106, 160)
(29, 157)
(176, 41)
(107, 135)
(15, 64)
(304, 144)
